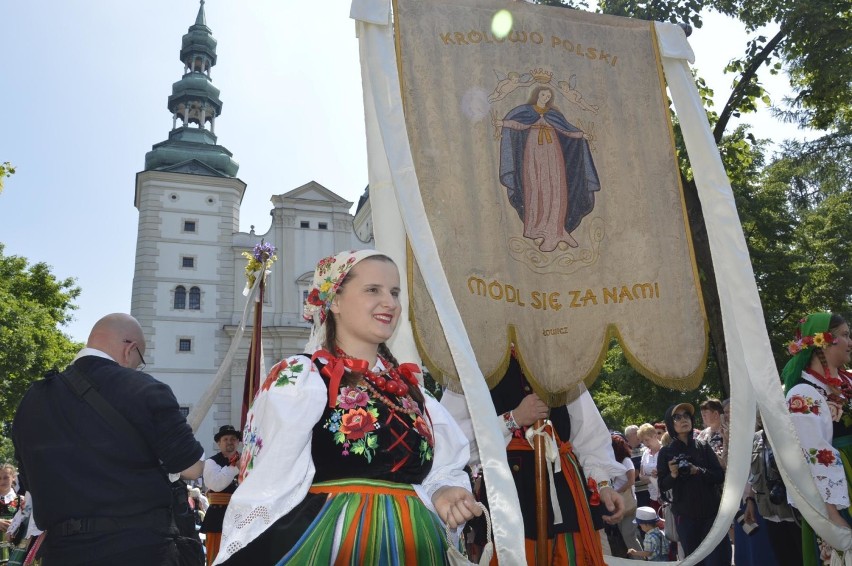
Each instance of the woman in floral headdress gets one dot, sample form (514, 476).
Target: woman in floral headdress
(819, 399)
(346, 460)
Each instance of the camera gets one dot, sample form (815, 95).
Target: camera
(777, 492)
(683, 465)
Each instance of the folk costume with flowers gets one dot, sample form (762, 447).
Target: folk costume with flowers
(820, 407)
(342, 473)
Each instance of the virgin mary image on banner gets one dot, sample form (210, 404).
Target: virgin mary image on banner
(546, 166)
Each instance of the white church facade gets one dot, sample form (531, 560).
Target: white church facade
(189, 274)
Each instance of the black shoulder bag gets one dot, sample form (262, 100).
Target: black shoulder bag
(186, 538)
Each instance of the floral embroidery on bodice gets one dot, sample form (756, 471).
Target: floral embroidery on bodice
(361, 436)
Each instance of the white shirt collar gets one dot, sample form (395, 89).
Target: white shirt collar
(92, 352)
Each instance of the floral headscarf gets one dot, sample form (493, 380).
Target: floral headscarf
(813, 324)
(328, 276)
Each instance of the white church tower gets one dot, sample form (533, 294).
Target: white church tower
(189, 274)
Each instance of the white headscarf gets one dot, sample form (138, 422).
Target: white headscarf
(328, 276)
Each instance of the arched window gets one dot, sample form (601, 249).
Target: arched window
(180, 297)
(194, 298)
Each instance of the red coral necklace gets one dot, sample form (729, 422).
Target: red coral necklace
(842, 383)
(390, 380)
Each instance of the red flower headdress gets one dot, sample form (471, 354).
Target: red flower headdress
(817, 340)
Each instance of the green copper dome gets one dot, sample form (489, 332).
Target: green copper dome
(191, 146)
(192, 87)
(198, 39)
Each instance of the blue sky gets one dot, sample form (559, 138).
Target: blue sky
(83, 98)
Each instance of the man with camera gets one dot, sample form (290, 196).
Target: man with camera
(691, 470)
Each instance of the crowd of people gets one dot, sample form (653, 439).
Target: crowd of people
(346, 458)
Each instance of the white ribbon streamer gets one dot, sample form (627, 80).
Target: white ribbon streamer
(199, 411)
(551, 453)
(396, 203)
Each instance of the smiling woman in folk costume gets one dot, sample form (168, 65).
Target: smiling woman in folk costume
(819, 399)
(345, 459)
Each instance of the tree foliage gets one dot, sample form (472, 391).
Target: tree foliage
(624, 397)
(7, 451)
(796, 222)
(6, 170)
(34, 305)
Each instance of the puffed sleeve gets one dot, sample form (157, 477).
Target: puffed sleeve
(218, 477)
(456, 405)
(811, 416)
(276, 463)
(591, 440)
(451, 454)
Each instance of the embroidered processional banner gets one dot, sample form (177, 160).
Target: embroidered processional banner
(546, 163)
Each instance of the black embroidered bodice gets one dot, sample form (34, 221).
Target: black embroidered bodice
(361, 436)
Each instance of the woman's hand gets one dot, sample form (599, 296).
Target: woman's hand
(4, 525)
(455, 505)
(530, 410)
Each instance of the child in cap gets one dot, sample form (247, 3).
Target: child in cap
(655, 546)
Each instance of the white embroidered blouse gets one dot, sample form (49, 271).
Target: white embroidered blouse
(813, 415)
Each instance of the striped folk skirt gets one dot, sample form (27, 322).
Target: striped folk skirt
(369, 522)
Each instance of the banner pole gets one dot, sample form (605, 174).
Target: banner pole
(252, 380)
(540, 497)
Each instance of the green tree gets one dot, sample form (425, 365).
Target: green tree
(6, 170)
(7, 451)
(796, 223)
(34, 306)
(624, 397)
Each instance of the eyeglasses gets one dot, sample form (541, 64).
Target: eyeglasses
(141, 366)
(680, 416)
